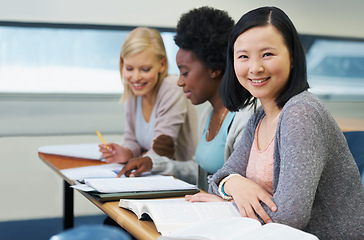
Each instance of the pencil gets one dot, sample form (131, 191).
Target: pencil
(102, 138)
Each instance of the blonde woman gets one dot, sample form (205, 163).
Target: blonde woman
(159, 119)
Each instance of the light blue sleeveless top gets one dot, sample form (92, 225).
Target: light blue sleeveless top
(210, 155)
(144, 131)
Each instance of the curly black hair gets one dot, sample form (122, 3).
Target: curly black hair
(205, 31)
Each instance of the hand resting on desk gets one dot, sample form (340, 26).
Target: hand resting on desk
(204, 197)
(114, 153)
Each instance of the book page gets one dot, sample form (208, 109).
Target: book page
(136, 206)
(276, 231)
(87, 151)
(138, 184)
(170, 216)
(216, 229)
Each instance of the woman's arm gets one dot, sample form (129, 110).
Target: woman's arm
(300, 159)
(246, 194)
(184, 170)
(130, 141)
(171, 113)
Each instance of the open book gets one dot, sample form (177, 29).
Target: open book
(85, 151)
(177, 219)
(237, 228)
(170, 215)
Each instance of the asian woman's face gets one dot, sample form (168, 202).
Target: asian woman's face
(262, 62)
(141, 72)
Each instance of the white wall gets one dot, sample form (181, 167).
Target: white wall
(32, 189)
(327, 17)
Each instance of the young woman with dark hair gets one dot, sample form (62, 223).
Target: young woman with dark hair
(292, 164)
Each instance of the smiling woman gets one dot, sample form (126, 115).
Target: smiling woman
(291, 140)
(159, 119)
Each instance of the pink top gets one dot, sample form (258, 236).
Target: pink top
(260, 165)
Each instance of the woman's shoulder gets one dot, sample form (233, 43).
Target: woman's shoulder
(303, 102)
(169, 93)
(304, 98)
(170, 82)
(306, 104)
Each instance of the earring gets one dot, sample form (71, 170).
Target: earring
(212, 75)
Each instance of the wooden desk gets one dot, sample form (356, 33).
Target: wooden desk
(126, 219)
(350, 124)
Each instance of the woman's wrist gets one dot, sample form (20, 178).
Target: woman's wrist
(222, 190)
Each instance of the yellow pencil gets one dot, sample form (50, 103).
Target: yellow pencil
(101, 138)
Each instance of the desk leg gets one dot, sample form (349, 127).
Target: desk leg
(68, 206)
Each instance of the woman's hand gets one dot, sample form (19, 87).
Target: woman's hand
(136, 166)
(204, 197)
(248, 197)
(114, 153)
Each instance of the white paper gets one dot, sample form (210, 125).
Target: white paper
(88, 151)
(83, 187)
(99, 171)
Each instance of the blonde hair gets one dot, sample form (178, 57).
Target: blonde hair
(138, 40)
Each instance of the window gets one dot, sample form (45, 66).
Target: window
(67, 59)
(335, 69)
(60, 79)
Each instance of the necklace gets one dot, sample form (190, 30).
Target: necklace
(218, 127)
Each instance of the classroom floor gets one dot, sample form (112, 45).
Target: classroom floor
(41, 229)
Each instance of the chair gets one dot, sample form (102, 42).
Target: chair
(92, 232)
(355, 141)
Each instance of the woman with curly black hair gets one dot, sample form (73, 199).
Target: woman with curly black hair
(202, 36)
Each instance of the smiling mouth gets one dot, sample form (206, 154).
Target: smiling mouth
(187, 93)
(138, 84)
(259, 80)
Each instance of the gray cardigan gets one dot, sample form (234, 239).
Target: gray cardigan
(316, 183)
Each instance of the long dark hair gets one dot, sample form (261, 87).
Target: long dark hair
(233, 94)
